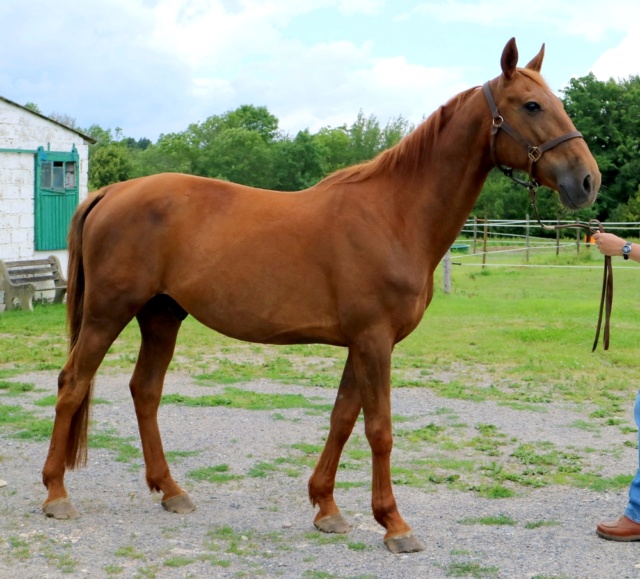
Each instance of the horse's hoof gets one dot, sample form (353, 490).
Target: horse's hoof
(60, 509)
(404, 544)
(182, 504)
(333, 524)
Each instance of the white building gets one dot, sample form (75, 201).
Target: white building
(43, 176)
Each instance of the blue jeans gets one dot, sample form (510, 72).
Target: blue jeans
(633, 508)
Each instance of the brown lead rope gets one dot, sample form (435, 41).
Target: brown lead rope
(606, 298)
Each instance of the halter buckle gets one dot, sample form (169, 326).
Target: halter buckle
(534, 154)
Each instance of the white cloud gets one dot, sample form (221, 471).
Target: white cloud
(621, 61)
(589, 19)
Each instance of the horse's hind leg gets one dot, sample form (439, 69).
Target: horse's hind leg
(69, 438)
(159, 322)
(322, 482)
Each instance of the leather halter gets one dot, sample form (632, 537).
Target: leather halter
(535, 153)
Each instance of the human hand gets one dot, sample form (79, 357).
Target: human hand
(608, 243)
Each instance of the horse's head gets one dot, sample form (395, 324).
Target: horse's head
(532, 132)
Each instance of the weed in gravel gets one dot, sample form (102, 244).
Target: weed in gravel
(584, 425)
(489, 520)
(234, 543)
(488, 440)
(129, 551)
(19, 548)
(175, 456)
(238, 398)
(470, 569)
(262, 469)
(24, 424)
(63, 561)
(8, 388)
(126, 452)
(150, 572)
(177, 561)
(112, 569)
(541, 523)
(213, 474)
(325, 539)
(216, 562)
(347, 485)
(492, 491)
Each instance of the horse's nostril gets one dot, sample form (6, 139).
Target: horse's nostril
(587, 183)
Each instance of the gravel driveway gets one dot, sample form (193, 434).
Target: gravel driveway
(260, 524)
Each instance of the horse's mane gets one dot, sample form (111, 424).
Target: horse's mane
(409, 154)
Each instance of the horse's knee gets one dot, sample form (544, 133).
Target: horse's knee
(380, 439)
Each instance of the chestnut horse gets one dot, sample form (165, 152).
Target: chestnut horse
(348, 262)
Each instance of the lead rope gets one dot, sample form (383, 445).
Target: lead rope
(606, 297)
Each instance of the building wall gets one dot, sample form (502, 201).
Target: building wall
(21, 129)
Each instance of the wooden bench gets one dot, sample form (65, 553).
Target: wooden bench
(18, 279)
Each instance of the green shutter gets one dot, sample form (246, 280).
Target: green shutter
(56, 197)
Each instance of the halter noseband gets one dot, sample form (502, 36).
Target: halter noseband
(534, 153)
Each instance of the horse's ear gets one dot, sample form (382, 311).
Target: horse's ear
(536, 61)
(509, 59)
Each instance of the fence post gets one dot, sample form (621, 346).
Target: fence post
(577, 237)
(557, 238)
(446, 267)
(475, 234)
(528, 240)
(484, 244)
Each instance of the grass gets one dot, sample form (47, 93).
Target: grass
(24, 424)
(237, 398)
(213, 474)
(489, 520)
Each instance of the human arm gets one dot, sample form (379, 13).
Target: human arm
(611, 244)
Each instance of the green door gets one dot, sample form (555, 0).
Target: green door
(56, 197)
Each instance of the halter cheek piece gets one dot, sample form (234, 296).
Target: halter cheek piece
(535, 153)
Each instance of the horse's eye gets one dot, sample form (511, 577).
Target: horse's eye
(532, 107)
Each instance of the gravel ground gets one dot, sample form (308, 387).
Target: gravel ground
(262, 526)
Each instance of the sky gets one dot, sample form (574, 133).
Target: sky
(152, 67)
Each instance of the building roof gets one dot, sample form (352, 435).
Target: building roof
(86, 137)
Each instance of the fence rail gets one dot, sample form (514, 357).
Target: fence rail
(478, 235)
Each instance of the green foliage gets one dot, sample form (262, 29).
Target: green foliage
(608, 115)
(109, 164)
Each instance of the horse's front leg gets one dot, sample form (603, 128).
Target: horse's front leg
(372, 368)
(322, 482)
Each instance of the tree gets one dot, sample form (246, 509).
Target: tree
(63, 119)
(297, 163)
(33, 107)
(239, 155)
(109, 164)
(334, 148)
(608, 115)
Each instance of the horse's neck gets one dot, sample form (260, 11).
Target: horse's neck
(440, 196)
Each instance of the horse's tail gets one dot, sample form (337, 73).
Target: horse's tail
(76, 452)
